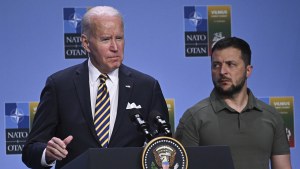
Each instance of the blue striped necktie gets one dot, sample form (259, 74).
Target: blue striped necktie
(102, 112)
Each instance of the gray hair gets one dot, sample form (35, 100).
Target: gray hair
(97, 11)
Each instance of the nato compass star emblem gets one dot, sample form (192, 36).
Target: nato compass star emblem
(195, 18)
(75, 20)
(17, 115)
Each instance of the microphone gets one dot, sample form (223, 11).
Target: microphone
(142, 126)
(163, 126)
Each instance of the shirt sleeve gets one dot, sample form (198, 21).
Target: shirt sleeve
(43, 160)
(187, 132)
(280, 144)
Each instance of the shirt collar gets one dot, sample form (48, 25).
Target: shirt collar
(218, 104)
(94, 73)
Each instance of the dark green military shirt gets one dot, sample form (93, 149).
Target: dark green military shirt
(253, 135)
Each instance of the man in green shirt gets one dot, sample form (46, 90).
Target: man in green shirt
(232, 116)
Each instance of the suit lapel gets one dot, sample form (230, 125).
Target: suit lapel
(81, 81)
(125, 88)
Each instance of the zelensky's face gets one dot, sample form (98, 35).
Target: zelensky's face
(105, 43)
(229, 73)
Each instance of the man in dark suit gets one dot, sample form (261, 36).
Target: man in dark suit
(63, 126)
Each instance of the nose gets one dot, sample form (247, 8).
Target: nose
(223, 70)
(113, 45)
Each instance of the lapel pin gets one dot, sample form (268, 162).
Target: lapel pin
(127, 86)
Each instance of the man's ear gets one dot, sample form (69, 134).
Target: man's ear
(85, 42)
(249, 70)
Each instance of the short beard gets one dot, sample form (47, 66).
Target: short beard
(232, 90)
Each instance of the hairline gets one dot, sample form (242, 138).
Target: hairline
(98, 11)
(236, 43)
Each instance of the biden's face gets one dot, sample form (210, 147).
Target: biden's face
(105, 43)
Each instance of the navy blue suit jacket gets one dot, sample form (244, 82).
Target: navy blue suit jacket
(65, 109)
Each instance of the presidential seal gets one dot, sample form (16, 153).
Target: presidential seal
(164, 153)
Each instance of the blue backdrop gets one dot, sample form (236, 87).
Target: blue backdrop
(32, 48)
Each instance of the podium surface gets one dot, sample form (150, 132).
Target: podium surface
(204, 157)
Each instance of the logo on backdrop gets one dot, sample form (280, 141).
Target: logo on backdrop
(72, 30)
(285, 106)
(204, 25)
(164, 153)
(17, 123)
(171, 110)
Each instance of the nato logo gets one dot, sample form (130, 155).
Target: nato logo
(195, 18)
(72, 19)
(72, 37)
(17, 126)
(196, 40)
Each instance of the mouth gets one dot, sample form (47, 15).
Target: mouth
(113, 57)
(224, 81)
